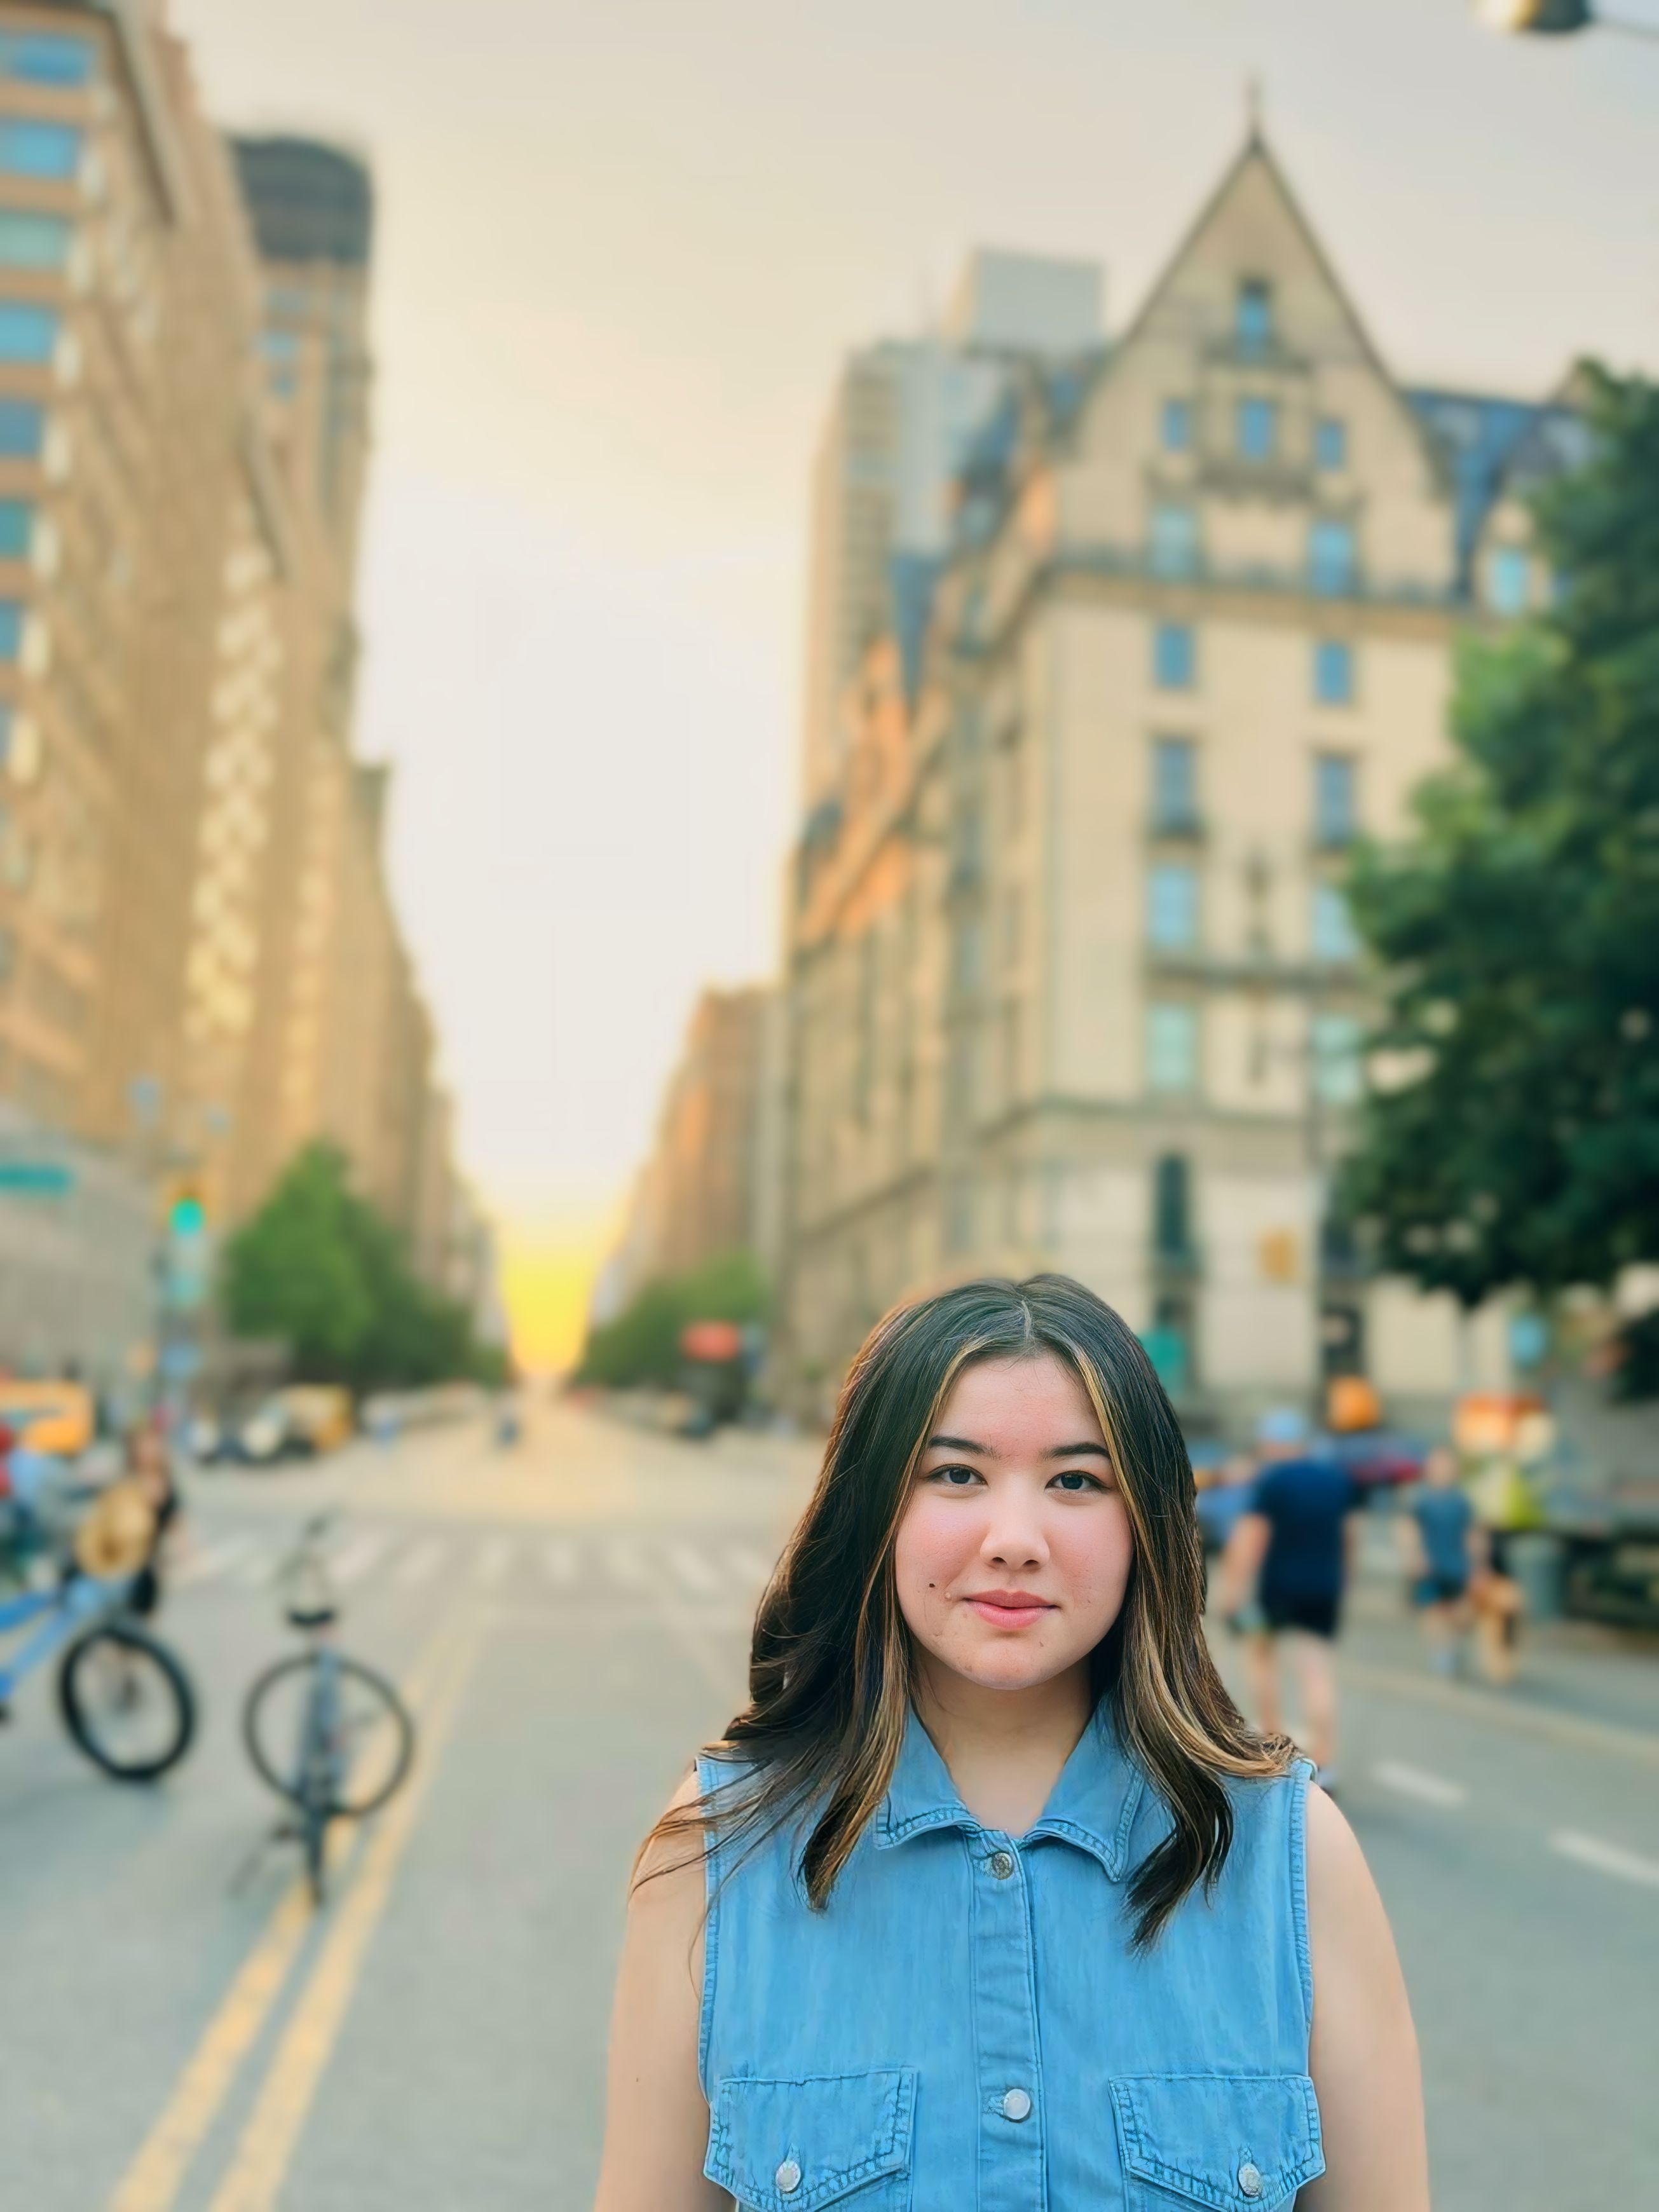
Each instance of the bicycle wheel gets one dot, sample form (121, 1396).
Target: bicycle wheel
(373, 1737)
(127, 1702)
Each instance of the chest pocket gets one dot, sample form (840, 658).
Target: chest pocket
(782, 2146)
(1239, 2142)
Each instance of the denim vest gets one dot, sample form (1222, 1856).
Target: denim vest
(966, 2029)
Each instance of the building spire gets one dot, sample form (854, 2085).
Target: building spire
(1254, 104)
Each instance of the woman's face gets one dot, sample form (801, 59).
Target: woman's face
(1014, 1550)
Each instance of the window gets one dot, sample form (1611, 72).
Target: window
(280, 345)
(1174, 541)
(31, 148)
(1172, 1225)
(1176, 427)
(1257, 429)
(1172, 906)
(1174, 786)
(1333, 672)
(968, 957)
(1175, 656)
(1330, 443)
(16, 529)
(1339, 1071)
(32, 241)
(1171, 1048)
(968, 860)
(1333, 937)
(11, 629)
(1331, 556)
(43, 57)
(1509, 580)
(8, 716)
(27, 333)
(1334, 811)
(1253, 323)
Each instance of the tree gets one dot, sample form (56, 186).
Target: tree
(1517, 1141)
(642, 1344)
(323, 1269)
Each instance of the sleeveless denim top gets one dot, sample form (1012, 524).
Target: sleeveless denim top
(966, 2029)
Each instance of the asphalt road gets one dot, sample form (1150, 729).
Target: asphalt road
(179, 2034)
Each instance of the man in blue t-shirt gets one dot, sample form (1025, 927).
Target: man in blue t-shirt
(1293, 1541)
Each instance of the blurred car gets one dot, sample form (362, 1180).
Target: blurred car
(1377, 1459)
(60, 1417)
(296, 1422)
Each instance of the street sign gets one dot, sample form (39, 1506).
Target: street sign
(37, 1178)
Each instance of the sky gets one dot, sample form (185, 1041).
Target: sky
(624, 247)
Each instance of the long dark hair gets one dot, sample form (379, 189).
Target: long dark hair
(830, 1670)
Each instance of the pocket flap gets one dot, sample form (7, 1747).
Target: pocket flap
(1243, 2143)
(789, 2146)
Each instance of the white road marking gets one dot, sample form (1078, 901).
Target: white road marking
(559, 1564)
(212, 1559)
(1606, 1858)
(261, 1569)
(363, 1553)
(494, 1559)
(693, 1569)
(628, 1567)
(421, 1562)
(1413, 1782)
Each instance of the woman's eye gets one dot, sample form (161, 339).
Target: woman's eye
(1075, 1479)
(955, 1478)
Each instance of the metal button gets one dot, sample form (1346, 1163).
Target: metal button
(1249, 2179)
(1015, 2105)
(1002, 1864)
(787, 2177)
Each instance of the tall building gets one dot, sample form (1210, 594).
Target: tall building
(701, 1193)
(1071, 978)
(904, 414)
(200, 968)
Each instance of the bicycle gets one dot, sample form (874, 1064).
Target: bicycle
(126, 1699)
(324, 1731)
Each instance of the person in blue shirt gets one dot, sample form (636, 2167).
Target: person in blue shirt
(987, 1897)
(1446, 1550)
(1293, 1541)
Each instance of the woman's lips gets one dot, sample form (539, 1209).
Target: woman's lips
(1009, 1608)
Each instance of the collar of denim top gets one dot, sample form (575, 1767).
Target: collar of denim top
(1093, 1804)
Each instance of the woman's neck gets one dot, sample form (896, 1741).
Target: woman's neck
(1005, 1748)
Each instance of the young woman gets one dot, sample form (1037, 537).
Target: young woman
(988, 1898)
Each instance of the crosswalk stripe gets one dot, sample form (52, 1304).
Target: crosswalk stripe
(201, 1566)
(559, 1564)
(1413, 1781)
(1606, 1859)
(351, 1564)
(420, 1562)
(750, 1564)
(693, 1569)
(494, 1559)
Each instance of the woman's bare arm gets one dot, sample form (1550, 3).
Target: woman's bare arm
(656, 2129)
(1364, 2060)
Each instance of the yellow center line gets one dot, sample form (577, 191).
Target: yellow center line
(153, 2180)
(257, 2170)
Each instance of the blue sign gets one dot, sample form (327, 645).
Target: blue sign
(36, 1178)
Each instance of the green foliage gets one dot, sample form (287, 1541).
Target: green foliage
(642, 1344)
(320, 1267)
(1518, 933)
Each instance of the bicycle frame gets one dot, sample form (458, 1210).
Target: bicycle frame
(67, 1611)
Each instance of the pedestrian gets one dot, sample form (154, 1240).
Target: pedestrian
(1292, 1543)
(1445, 1554)
(987, 1895)
(149, 1467)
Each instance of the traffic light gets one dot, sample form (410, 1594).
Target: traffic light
(186, 1216)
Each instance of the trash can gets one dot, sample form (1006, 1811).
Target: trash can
(1536, 1561)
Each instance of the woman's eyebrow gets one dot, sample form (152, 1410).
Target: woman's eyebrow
(1071, 1451)
(960, 1443)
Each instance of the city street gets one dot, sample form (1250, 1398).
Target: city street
(568, 1619)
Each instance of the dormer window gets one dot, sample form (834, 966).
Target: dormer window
(1257, 429)
(1253, 324)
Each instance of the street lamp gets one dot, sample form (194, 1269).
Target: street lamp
(1556, 18)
